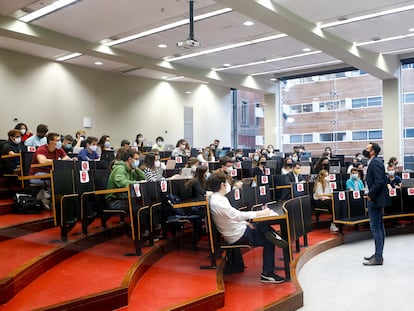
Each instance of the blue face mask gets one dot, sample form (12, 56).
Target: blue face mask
(107, 144)
(59, 145)
(135, 164)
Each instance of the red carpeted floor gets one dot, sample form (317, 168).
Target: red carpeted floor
(12, 219)
(172, 280)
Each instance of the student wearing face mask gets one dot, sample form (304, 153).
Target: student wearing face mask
(12, 146)
(67, 144)
(152, 168)
(322, 194)
(40, 138)
(294, 156)
(24, 131)
(354, 183)
(159, 144)
(393, 181)
(179, 150)
(226, 166)
(80, 137)
(89, 152)
(259, 170)
(138, 143)
(124, 172)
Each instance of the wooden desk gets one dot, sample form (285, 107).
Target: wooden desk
(282, 219)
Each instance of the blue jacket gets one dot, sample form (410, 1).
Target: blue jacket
(377, 183)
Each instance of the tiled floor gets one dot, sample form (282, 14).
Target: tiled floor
(337, 280)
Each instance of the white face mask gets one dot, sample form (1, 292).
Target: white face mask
(229, 169)
(17, 140)
(23, 131)
(93, 147)
(157, 163)
(327, 178)
(391, 173)
(256, 158)
(294, 159)
(159, 143)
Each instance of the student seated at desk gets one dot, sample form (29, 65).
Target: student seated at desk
(393, 181)
(45, 155)
(12, 146)
(89, 152)
(322, 194)
(233, 226)
(354, 183)
(124, 172)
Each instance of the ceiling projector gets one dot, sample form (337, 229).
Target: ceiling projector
(188, 44)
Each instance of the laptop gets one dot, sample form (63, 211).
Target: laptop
(186, 172)
(334, 166)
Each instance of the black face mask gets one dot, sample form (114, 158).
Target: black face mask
(365, 153)
(263, 163)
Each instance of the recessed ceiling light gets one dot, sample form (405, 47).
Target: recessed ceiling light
(162, 46)
(164, 77)
(411, 29)
(248, 23)
(306, 50)
(273, 79)
(188, 92)
(226, 65)
(98, 63)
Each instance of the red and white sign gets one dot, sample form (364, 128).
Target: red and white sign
(392, 192)
(341, 196)
(410, 191)
(85, 165)
(237, 194)
(237, 165)
(31, 148)
(163, 186)
(233, 173)
(299, 187)
(356, 195)
(178, 160)
(332, 184)
(265, 180)
(332, 177)
(267, 171)
(405, 175)
(262, 190)
(84, 177)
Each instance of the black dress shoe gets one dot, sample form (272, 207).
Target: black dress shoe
(370, 257)
(373, 262)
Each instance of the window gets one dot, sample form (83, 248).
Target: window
(375, 101)
(307, 108)
(408, 98)
(409, 133)
(359, 102)
(307, 138)
(375, 134)
(295, 139)
(340, 136)
(296, 109)
(244, 117)
(326, 137)
(360, 135)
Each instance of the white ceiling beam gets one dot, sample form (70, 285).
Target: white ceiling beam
(15, 29)
(279, 18)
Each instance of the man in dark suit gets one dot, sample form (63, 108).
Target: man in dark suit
(292, 177)
(377, 198)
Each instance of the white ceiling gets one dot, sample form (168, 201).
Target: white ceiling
(82, 27)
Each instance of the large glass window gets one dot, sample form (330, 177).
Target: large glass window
(407, 85)
(341, 110)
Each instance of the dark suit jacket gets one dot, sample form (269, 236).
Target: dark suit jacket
(377, 183)
(290, 178)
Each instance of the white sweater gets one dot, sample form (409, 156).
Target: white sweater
(230, 222)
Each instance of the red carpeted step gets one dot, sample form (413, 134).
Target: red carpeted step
(6, 206)
(17, 219)
(174, 279)
(100, 268)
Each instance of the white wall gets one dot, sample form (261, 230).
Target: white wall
(36, 90)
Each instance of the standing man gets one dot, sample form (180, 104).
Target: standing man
(377, 198)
